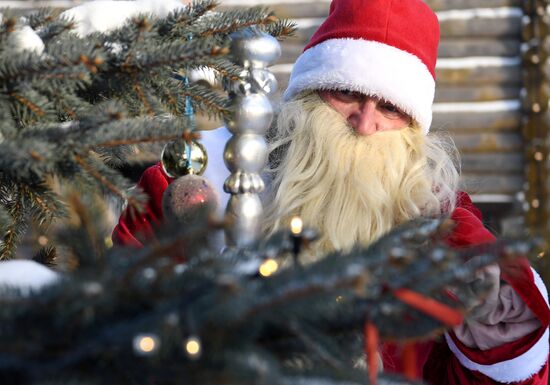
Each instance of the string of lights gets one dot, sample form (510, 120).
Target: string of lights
(536, 123)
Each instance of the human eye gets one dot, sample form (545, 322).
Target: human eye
(347, 95)
(391, 110)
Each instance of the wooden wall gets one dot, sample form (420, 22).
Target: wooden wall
(478, 84)
(479, 77)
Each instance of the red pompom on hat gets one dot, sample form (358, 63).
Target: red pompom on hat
(385, 48)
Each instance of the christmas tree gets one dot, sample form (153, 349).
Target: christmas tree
(71, 109)
(71, 106)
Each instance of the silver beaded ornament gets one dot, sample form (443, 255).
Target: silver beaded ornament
(246, 152)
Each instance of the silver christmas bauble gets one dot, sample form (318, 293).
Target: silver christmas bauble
(246, 153)
(242, 86)
(180, 158)
(189, 199)
(244, 216)
(264, 80)
(253, 48)
(252, 113)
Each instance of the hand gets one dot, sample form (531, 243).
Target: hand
(483, 288)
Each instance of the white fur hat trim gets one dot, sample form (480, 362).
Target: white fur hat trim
(368, 67)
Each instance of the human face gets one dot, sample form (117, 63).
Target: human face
(365, 114)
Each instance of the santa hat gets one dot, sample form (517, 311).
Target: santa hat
(385, 48)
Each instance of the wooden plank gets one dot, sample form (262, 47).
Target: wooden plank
(290, 50)
(459, 93)
(319, 8)
(441, 5)
(285, 10)
(488, 142)
(490, 162)
(449, 28)
(488, 80)
(448, 48)
(505, 75)
(492, 184)
(453, 93)
(546, 68)
(481, 27)
(460, 47)
(477, 121)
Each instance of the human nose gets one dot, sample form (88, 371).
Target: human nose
(363, 118)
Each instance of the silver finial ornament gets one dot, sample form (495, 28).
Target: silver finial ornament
(246, 152)
(253, 48)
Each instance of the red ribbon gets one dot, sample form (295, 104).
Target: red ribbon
(441, 312)
(371, 351)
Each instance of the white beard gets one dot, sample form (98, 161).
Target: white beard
(353, 189)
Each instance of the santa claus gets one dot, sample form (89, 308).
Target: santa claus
(353, 156)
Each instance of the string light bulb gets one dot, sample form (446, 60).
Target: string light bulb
(108, 242)
(145, 344)
(193, 347)
(268, 267)
(296, 225)
(43, 240)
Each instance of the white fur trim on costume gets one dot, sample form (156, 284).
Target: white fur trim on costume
(519, 368)
(369, 67)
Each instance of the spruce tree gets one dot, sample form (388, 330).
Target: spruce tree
(69, 114)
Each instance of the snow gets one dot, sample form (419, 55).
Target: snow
(24, 38)
(25, 275)
(37, 3)
(105, 15)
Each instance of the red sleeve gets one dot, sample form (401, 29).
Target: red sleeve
(469, 229)
(135, 227)
(521, 362)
